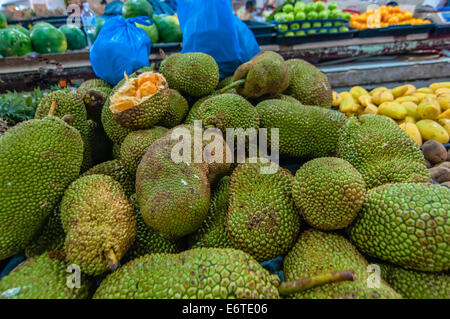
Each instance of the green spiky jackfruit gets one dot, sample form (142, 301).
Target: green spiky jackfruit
(308, 84)
(329, 192)
(194, 74)
(99, 222)
(94, 83)
(407, 225)
(114, 130)
(177, 110)
(316, 252)
(43, 277)
(116, 170)
(38, 160)
(381, 151)
(262, 219)
(213, 232)
(413, 284)
(135, 145)
(116, 151)
(304, 131)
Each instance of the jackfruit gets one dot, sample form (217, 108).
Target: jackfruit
(114, 130)
(413, 284)
(225, 82)
(193, 115)
(381, 151)
(116, 151)
(194, 74)
(304, 131)
(329, 192)
(308, 84)
(94, 99)
(213, 232)
(141, 101)
(116, 170)
(135, 146)
(262, 219)
(202, 273)
(177, 110)
(99, 222)
(38, 160)
(316, 252)
(43, 277)
(407, 225)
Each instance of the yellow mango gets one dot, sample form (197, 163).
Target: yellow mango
(439, 85)
(357, 91)
(441, 91)
(444, 101)
(344, 94)
(429, 108)
(370, 109)
(365, 100)
(445, 123)
(411, 89)
(375, 90)
(420, 95)
(393, 110)
(409, 98)
(412, 130)
(399, 91)
(425, 90)
(431, 130)
(411, 109)
(410, 119)
(348, 104)
(337, 99)
(382, 96)
(444, 115)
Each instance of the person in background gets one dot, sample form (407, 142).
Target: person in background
(246, 12)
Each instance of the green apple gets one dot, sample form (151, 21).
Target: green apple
(279, 17)
(283, 27)
(346, 16)
(328, 24)
(288, 8)
(338, 23)
(289, 34)
(300, 16)
(334, 14)
(312, 31)
(290, 16)
(306, 25)
(299, 6)
(294, 26)
(312, 15)
(300, 33)
(310, 6)
(320, 6)
(333, 30)
(323, 31)
(343, 29)
(316, 24)
(332, 5)
(323, 14)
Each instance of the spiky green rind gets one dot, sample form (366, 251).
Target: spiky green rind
(213, 232)
(43, 277)
(116, 151)
(329, 192)
(97, 218)
(317, 252)
(116, 170)
(194, 74)
(193, 112)
(304, 131)
(94, 83)
(193, 274)
(308, 84)
(407, 225)
(114, 130)
(224, 82)
(381, 151)
(135, 145)
(38, 160)
(262, 219)
(177, 110)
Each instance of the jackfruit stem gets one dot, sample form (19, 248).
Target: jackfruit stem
(125, 75)
(111, 259)
(291, 287)
(53, 107)
(232, 85)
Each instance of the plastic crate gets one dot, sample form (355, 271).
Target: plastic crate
(396, 30)
(260, 28)
(442, 29)
(266, 39)
(315, 37)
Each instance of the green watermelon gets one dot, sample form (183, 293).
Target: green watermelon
(3, 21)
(74, 36)
(48, 39)
(137, 8)
(18, 27)
(14, 42)
(38, 25)
(168, 28)
(151, 30)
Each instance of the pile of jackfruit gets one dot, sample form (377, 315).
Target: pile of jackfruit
(138, 190)
(423, 113)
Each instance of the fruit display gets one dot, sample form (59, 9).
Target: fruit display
(384, 17)
(423, 113)
(299, 18)
(134, 185)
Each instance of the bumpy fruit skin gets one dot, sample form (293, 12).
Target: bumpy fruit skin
(228, 111)
(147, 241)
(114, 130)
(42, 277)
(304, 131)
(317, 252)
(3, 126)
(194, 74)
(381, 151)
(413, 284)
(177, 110)
(329, 192)
(38, 160)
(308, 84)
(94, 83)
(135, 146)
(201, 273)
(407, 225)
(98, 218)
(265, 74)
(213, 232)
(193, 112)
(262, 219)
(116, 170)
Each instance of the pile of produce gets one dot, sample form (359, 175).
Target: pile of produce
(437, 158)
(384, 17)
(113, 197)
(299, 19)
(423, 113)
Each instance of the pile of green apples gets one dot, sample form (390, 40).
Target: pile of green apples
(298, 18)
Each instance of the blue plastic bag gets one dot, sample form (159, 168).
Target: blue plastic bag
(211, 27)
(120, 47)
